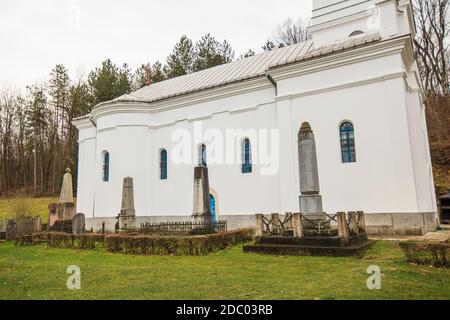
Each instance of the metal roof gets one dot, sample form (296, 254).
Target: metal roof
(245, 69)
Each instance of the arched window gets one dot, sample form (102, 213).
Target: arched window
(105, 175)
(356, 33)
(163, 165)
(246, 156)
(202, 155)
(348, 150)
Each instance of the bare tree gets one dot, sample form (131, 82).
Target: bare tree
(8, 106)
(288, 33)
(432, 44)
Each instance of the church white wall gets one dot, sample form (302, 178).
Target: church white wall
(134, 140)
(382, 179)
(423, 174)
(86, 171)
(338, 21)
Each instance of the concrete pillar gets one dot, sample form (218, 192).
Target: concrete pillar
(275, 219)
(361, 222)
(127, 216)
(310, 199)
(259, 228)
(67, 206)
(343, 230)
(202, 207)
(288, 219)
(66, 195)
(297, 225)
(353, 223)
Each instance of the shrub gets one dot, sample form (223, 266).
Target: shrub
(62, 240)
(172, 245)
(141, 244)
(427, 253)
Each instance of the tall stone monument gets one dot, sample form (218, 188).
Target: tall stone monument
(127, 215)
(202, 207)
(66, 197)
(310, 199)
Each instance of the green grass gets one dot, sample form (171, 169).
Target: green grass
(38, 206)
(40, 273)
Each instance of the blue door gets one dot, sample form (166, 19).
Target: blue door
(212, 202)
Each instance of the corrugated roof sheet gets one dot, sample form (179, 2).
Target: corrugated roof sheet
(245, 69)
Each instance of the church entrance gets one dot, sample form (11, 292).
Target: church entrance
(212, 202)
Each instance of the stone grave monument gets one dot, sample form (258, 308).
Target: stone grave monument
(78, 224)
(60, 214)
(202, 207)
(310, 232)
(127, 215)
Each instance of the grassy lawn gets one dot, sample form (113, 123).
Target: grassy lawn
(40, 273)
(37, 206)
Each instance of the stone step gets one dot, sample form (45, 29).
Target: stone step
(304, 250)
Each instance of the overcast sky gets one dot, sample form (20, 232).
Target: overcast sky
(37, 34)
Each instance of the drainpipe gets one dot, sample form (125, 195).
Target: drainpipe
(272, 80)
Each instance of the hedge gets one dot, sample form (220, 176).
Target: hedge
(172, 245)
(427, 253)
(141, 244)
(62, 240)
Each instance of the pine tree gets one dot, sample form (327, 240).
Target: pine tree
(59, 93)
(109, 81)
(180, 61)
(211, 53)
(37, 119)
(158, 72)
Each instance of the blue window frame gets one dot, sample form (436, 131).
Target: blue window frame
(348, 149)
(202, 155)
(105, 175)
(246, 156)
(212, 202)
(163, 165)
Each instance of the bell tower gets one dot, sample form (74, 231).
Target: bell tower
(337, 20)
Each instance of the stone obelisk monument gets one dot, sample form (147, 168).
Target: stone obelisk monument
(127, 215)
(67, 205)
(202, 207)
(310, 199)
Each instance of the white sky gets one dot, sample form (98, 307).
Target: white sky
(35, 35)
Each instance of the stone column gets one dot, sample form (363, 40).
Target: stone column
(66, 197)
(343, 230)
(259, 229)
(353, 223)
(288, 219)
(310, 199)
(297, 225)
(202, 206)
(127, 215)
(361, 222)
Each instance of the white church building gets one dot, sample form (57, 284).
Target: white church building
(355, 82)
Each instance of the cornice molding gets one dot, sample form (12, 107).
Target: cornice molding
(357, 83)
(346, 57)
(230, 90)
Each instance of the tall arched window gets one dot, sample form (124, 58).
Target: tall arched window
(246, 156)
(202, 155)
(163, 165)
(105, 175)
(348, 150)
